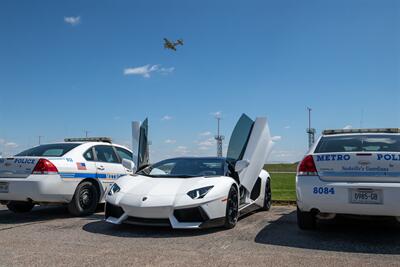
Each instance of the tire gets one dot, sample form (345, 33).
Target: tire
(85, 200)
(232, 208)
(20, 206)
(267, 196)
(306, 220)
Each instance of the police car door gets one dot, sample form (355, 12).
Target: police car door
(140, 144)
(108, 166)
(251, 142)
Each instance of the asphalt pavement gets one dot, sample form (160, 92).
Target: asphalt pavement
(49, 236)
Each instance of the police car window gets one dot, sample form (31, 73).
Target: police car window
(359, 143)
(106, 154)
(88, 155)
(123, 153)
(49, 150)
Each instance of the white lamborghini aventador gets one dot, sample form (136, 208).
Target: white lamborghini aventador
(194, 192)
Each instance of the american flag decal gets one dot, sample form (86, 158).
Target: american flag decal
(81, 166)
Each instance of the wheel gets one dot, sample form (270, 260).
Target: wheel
(306, 220)
(20, 206)
(85, 199)
(232, 208)
(267, 196)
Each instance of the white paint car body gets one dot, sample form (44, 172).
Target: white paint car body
(362, 181)
(169, 201)
(20, 180)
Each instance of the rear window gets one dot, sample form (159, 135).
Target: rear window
(359, 143)
(49, 150)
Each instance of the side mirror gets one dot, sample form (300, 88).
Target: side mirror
(241, 164)
(129, 165)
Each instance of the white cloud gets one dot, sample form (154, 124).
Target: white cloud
(276, 138)
(208, 142)
(287, 127)
(72, 20)
(166, 70)
(170, 141)
(348, 127)
(205, 133)
(166, 118)
(181, 150)
(146, 70)
(11, 145)
(204, 148)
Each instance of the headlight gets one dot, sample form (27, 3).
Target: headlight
(114, 189)
(200, 192)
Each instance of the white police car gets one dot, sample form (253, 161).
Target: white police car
(77, 172)
(354, 171)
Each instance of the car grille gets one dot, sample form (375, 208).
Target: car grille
(113, 211)
(148, 221)
(196, 214)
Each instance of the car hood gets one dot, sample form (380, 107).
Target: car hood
(154, 186)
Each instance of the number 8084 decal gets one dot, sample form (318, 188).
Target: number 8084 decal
(324, 190)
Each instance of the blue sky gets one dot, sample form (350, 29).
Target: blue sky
(63, 68)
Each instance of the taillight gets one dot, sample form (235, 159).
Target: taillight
(44, 166)
(307, 167)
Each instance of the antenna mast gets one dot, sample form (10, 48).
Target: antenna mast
(219, 138)
(310, 131)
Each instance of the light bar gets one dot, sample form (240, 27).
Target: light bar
(371, 130)
(89, 139)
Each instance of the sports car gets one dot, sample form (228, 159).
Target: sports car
(198, 192)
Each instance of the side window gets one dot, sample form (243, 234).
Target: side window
(123, 153)
(106, 154)
(88, 155)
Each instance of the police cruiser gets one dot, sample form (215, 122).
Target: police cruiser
(76, 172)
(350, 171)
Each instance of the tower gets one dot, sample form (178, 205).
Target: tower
(219, 138)
(310, 131)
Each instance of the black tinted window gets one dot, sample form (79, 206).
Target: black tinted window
(186, 167)
(239, 139)
(88, 155)
(106, 154)
(123, 153)
(359, 143)
(49, 150)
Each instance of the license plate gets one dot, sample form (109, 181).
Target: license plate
(3, 187)
(366, 196)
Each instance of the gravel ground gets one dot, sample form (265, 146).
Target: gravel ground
(49, 236)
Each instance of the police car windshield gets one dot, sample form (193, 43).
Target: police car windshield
(49, 150)
(185, 168)
(359, 143)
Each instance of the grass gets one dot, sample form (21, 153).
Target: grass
(283, 186)
(283, 181)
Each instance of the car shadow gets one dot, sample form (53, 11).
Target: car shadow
(41, 213)
(132, 231)
(344, 234)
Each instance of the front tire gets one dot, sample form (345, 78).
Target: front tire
(20, 206)
(306, 220)
(85, 200)
(267, 196)
(232, 208)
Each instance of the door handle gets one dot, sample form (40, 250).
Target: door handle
(101, 168)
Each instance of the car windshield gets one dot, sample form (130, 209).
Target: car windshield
(185, 168)
(49, 150)
(359, 143)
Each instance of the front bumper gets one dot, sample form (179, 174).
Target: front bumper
(340, 203)
(38, 188)
(191, 216)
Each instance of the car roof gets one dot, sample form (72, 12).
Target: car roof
(205, 158)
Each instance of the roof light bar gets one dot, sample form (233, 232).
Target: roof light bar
(89, 139)
(371, 130)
